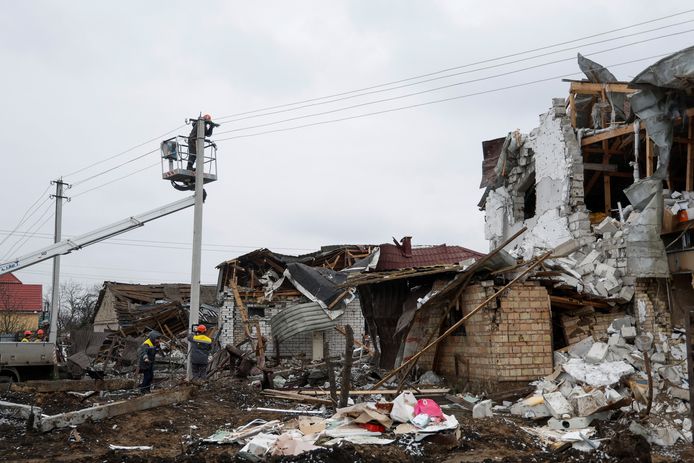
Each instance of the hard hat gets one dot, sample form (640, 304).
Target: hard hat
(207, 117)
(201, 328)
(40, 332)
(27, 333)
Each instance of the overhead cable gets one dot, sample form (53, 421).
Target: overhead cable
(470, 71)
(455, 84)
(27, 215)
(427, 103)
(489, 60)
(123, 152)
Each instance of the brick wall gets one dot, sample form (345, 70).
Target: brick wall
(651, 306)
(510, 340)
(301, 345)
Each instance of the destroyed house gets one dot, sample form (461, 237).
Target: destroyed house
(135, 309)
(412, 294)
(609, 173)
(282, 305)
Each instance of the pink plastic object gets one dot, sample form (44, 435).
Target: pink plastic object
(429, 407)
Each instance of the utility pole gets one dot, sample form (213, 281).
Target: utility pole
(194, 315)
(55, 296)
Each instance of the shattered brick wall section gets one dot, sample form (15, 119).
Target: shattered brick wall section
(225, 322)
(651, 306)
(300, 345)
(551, 153)
(508, 341)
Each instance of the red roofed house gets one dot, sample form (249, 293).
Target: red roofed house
(20, 305)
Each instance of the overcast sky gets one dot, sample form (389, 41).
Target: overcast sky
(83, 81)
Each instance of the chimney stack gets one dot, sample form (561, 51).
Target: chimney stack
(406, 246)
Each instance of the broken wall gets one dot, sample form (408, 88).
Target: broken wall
(651, 306)
(550, 158)
(508, 341)
(106, 317)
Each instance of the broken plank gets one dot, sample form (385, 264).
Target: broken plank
(285, 395)
(589, 88)
(600, 167)
(102, 412)
(76, 385)
(617, 132)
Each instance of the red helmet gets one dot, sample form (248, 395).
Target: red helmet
(201, 329)
(207, 117)
(40, 332)
(27, 333)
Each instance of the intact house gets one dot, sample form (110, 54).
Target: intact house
(292, 305)
(21, 305)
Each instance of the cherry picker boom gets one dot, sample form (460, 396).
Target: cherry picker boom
(66, 246)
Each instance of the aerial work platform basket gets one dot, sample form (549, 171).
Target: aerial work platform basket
(178, 163)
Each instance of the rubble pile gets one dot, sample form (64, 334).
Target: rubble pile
(679, 204)
(368, 422)
(597, 268)
(597, 380)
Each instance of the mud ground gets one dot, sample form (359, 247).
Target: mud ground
(176, 433)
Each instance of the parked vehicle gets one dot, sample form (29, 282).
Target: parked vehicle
(22, 361)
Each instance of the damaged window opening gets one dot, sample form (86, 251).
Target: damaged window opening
(256, 312)
(529, 202)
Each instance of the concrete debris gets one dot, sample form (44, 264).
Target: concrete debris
(483, 409)
(557, 404)
(593, 380)
(597, 353)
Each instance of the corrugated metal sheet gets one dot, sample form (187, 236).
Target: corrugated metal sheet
(300, 318)
(392, 257)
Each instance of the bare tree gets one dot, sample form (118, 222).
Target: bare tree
(10, 311)
(77, 306)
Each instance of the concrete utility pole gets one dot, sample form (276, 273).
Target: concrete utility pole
(55, 296)
(194, 316)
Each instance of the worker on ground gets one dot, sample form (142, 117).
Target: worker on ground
(145, 356)
(200, 347)
(192, 145)
(27, 336)
(39, 336)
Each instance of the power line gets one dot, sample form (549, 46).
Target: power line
(114, 168)
(123, 152)
(466, 72)
(124, 241)
(397, 97)
(489, 60)
(30, 235)
(25, 217)
(427, 103)
(455, 84)
(116, 180)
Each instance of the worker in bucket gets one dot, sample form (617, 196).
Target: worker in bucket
(192, 145)
(145, 356)
(27, 336)
(200, 348)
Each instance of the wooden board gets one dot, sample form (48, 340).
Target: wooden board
(617, 132)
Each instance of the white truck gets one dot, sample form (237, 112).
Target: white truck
(22, 361)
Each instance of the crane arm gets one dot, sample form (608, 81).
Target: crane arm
(68, 245)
